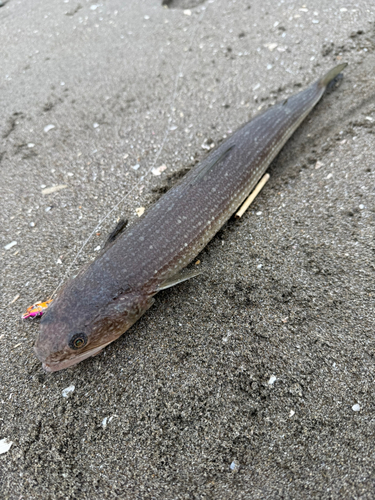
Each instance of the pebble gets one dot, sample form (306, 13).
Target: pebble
(140, 211)
(95, 125)
(259, 266)
(356, 407)
(65, 393)
(94, 7)
(272, 380)
(259, 213)
(136, 167)
(361, 207)
(319, 164)
(187, 12)
(49, 127)
(233, 465)
(30, 145)
(292, 412)
(5, 445)
(329, 176)
(32, 224)
(10, 245)
(96, 249)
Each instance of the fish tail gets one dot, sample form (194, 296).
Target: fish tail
(331, 75)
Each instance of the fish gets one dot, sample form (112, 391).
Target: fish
(112, 292)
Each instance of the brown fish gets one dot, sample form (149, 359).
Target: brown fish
(109, 295)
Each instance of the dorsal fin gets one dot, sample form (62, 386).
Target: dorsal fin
(210, 165)
(121, 225)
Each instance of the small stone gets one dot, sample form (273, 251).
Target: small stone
(259, 213)
(49, 127)
(96, 249)
(356, 407)
(187, 12)
(259, 266)
(319, 164)
(269, 66)
(146, 17)
(329, 176)
(32, 224)
(292, 412)
(94, 7)
(10, 245)
(361, 207)
(136, 167)
(96, 125)
(31, 145)
(66, 392)
(140, 211)
(343, 9)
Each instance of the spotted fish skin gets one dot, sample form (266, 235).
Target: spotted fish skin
(111, 293)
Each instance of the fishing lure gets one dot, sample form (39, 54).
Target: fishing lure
(37, 309)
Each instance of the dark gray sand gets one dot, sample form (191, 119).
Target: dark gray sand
(254, 380)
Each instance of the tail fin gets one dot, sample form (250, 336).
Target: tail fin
(331, 75)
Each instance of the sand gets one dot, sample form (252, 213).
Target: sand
(254, 380)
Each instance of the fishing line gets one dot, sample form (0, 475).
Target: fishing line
(137, 184)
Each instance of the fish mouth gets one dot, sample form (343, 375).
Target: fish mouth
(55, 366)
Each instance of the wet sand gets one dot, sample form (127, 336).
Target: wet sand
(254, 380)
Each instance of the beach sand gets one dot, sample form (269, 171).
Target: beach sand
(254, 380)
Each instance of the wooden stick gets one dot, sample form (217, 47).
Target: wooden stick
(253, 195)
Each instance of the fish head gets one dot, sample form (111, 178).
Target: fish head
(71, 332)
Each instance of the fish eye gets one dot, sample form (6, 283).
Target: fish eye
(77, 341)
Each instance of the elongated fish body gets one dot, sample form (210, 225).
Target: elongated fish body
(112, 292)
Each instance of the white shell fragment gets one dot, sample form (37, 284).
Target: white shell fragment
(10, 245)
(270, 46)
(53, 189)
(272, 380)
(140, 211)
(136, 167)
(106, 421)
(49, 127)
(356, 407)
(158, 170)
(65, 393)
(5, 445)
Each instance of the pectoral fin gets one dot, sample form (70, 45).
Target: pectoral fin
(178, 278)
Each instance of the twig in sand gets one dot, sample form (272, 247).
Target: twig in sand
(253, 195)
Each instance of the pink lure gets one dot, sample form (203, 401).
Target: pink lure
(36, 309)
